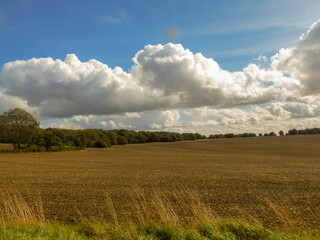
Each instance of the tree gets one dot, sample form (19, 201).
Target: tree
(281, 133)
(272, 134)
(101, 143)
(293, 132)
(81, 141)
(229, 135)
(122, 140)
(52, 141)
(245, 135)
(18, 127)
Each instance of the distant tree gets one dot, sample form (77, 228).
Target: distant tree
(81, 141)
(266, 134)
(154, 137)
(52, 141)
(271, 134)
(122, 140)
(281, 133)
(245, 135)
(101, 143)
(229, 135)
(313, 131)
(112, 135)
(260, 135)
(293, 132)
(18, 127)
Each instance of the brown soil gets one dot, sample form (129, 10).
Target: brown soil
(245, 177)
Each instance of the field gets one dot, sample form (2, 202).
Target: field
(271, 180)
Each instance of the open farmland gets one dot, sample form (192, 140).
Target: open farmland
(266, 179)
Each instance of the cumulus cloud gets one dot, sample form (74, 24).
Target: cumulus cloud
(206, 120)
(7, 102)
(302, 62)
(170, 88)
(162, 77)
(70, 87)
(146, 120)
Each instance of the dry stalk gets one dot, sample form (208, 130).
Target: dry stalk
(112, 209)
(14, 208)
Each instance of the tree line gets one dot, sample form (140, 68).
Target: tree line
(307, 131)
(19, 128)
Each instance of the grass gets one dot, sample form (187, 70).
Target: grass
(217, 230)
(19, 220)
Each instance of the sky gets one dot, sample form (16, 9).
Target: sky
(187, 66)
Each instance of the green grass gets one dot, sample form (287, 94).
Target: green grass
(217, 230)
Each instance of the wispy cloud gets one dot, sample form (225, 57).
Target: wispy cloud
(262, 16)
(247, 26)
(110, 19)
(114, 18)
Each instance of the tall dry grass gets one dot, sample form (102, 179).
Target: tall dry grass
(15, 209)
(180, 207)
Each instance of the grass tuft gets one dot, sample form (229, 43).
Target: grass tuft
(158, 217)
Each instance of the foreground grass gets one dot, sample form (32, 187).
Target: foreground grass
(218, 230)
(22, 220)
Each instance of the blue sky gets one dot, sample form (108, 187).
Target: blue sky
(232, 34)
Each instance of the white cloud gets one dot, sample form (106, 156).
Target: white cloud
(7, 102)
(278, 116)
(171, 88)
(163, 77)
(261, 58)
(302, 62)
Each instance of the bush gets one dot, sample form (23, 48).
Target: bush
(34, 148)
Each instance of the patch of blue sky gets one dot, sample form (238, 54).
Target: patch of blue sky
(113, 31)
(49, 121)
(269, 104)
(184, 116)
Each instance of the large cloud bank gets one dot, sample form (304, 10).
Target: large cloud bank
(169, 87)
(163, 77)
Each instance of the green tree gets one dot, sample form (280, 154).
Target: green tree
(122, 140)
(18, 127)
(52, 141)
(293, 132)
(81, 141)
(101, 143)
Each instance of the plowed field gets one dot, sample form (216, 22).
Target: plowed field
(253, 178)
